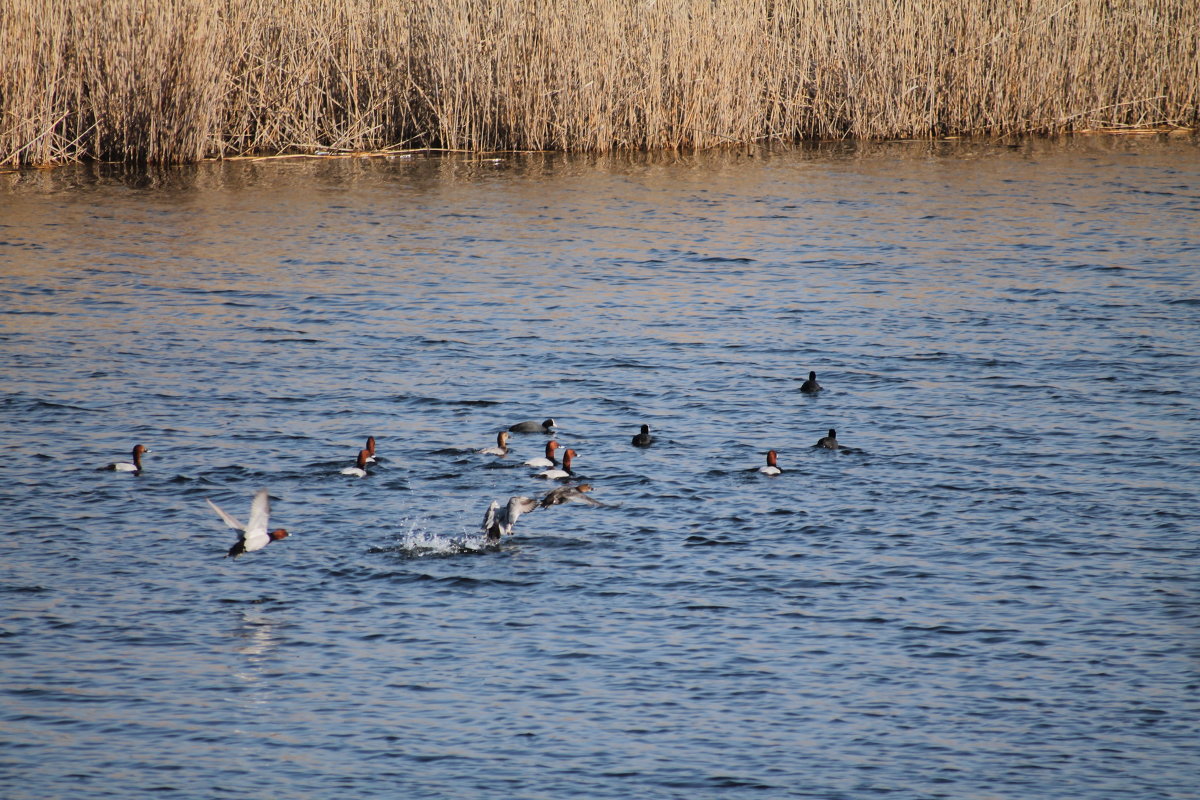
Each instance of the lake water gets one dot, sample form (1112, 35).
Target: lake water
(992, 595)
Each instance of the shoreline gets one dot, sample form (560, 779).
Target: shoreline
(322, 154)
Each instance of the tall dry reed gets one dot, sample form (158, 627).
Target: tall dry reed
(179, 80)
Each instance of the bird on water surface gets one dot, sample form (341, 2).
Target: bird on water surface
(772, 468)
(829, 442)
(134, 466)
(549, 460)
(810, 386)
(560, 472)
(533, 427)
(359, 470)
(501, 448)
(643, 439)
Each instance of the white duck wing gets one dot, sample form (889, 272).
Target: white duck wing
(489, 517)
(516, 507)
(260, 514)
(520, 505)
(230, 521)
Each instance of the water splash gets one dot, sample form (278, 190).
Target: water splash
(418, 541)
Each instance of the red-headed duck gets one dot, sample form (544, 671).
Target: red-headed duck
(829, 442)
(499, 522)
(501, 448)
(643, 439)
(255, 535)
(126, 466)
(533, 427)
(564, 471)
(370, 448)
(567, 494)
(549, 460)
(810, 386)
(359, 470)
(771, 468)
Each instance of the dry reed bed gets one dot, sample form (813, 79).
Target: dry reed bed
(180, 80)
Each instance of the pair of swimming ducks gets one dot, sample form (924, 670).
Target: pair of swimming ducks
(828, 442)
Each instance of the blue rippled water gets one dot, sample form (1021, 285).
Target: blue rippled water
(993, 594)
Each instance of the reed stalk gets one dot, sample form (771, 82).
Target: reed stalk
(180, 80)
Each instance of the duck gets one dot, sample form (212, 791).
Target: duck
(644, 438)
(560, 472)
(501, 448)
(499, 522)
(546, 426)
(771, 468)
(549, 460)
(255, 535)
(829, 442)
(370, 448)
(566, 494)
(135, 466)
(810, 386)
(359, 470)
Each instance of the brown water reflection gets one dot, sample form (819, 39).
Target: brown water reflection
(528, 221)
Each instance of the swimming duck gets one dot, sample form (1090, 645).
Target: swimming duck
(829, 442)
(359, 470)
(563, 472)
(499, 522)
(771, 468)
(135, 466)
(533, 427)
(644, 438)
(254, 534)
(566, 494)
(370, 449)
(501, 448)
(549, 460)
(811, 386)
